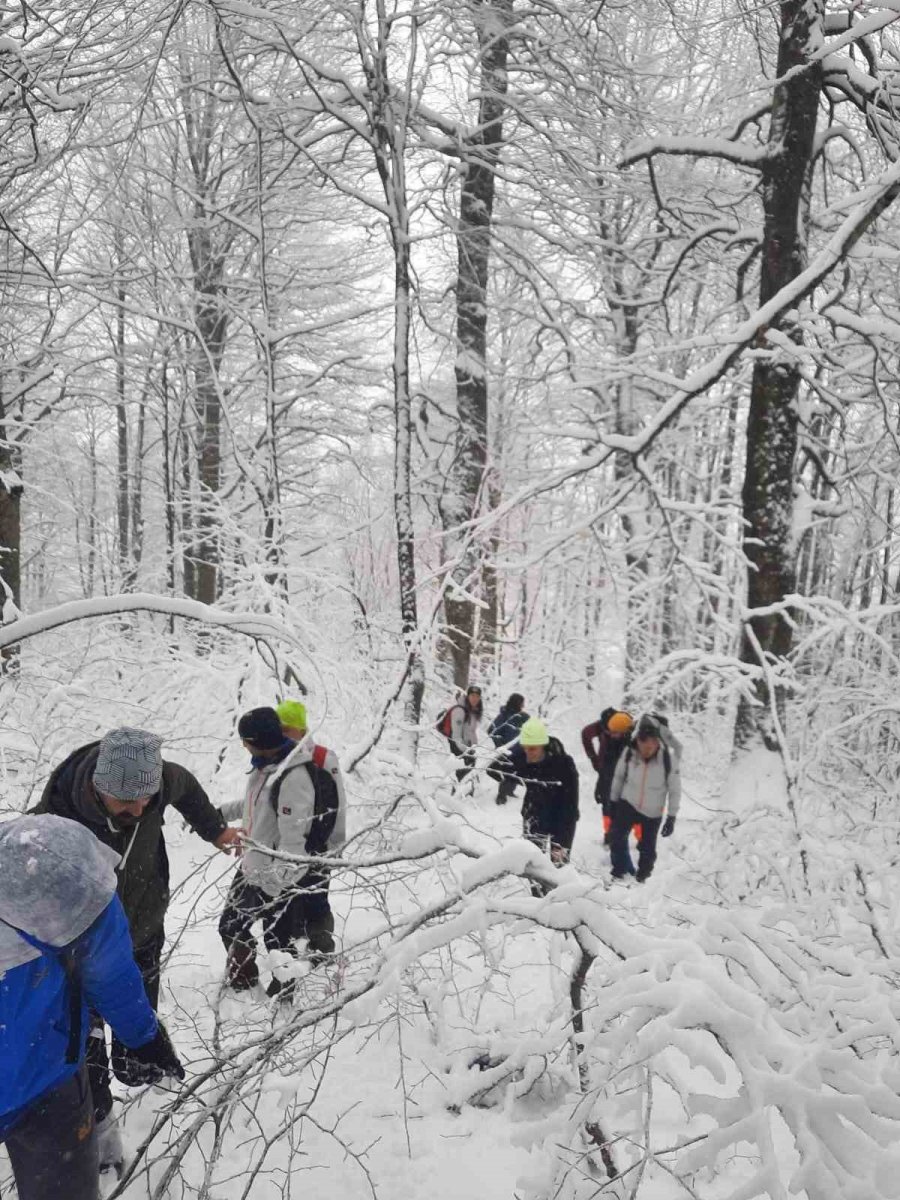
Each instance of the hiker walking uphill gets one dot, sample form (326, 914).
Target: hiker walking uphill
(550, 807)
(611, 735)
(294, 803)
(459, 724)
(647, 782)
(64, 947)
(502, 730)
(119, 789)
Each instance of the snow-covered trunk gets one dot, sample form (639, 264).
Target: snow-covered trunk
(768, 491)
(10, 535)
(637, 648)
(465, 489)
(389, 121)
(403, 510)
(123, 508)
(210, 321)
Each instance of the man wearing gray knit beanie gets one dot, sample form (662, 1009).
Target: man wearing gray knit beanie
(119, 788)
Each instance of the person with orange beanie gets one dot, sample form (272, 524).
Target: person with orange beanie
(610, 734)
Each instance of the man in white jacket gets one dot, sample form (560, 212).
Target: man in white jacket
(294, 804)
(646, 783)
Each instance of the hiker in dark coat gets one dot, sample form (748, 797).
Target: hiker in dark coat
(550, 807)
(503, 730)
(603, 743)
(119, 789)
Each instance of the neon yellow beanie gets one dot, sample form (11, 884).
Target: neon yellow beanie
(534, 733)
(291, 714)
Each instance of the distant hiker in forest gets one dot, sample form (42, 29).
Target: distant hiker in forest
(459, 724)
(294, 803)
(502, 730)
(646, 784)
(119, 789)
(550, 806)
(610, 734)
(65, 949)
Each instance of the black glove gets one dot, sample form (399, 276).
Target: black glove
(668, 827)
(149, 1063)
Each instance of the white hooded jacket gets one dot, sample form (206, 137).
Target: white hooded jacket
(296, 806)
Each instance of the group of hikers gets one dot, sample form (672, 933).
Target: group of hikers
(84, 889)
(637, 763)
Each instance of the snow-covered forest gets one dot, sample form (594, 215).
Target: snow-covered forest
(359, 350)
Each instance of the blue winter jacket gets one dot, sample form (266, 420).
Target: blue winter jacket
(34, 989)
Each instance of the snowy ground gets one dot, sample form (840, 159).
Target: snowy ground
(389, 1116)
(741, 1018)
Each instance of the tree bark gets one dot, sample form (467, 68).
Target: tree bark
(10, 534)
(767, 496)
(389, 127)
(465, 485)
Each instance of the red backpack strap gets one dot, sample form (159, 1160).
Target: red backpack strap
(320, 753)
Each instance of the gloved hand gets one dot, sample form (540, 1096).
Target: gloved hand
(110, 1145)
(151, 1062)
(668, 827)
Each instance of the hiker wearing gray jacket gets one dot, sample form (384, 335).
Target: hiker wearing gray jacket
(465, 719)
(294, 803)
(646, 784)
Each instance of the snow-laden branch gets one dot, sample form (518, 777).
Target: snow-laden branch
(695, 147)
(255, 625)
(874, 199)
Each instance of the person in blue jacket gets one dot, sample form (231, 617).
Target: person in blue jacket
(503, 730)
(64, 950)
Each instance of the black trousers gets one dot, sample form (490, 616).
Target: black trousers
(467, 755)
(53, 1149)
(147, 958)
(304, 912)
(623, 817)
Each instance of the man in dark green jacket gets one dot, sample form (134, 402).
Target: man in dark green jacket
(119, 789)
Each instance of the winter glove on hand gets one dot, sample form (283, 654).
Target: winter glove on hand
(668, 827)
(151, 1062)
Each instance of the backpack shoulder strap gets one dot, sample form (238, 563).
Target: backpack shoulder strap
(320, 753)
(627, 765)
(667, 761)
(275, 790)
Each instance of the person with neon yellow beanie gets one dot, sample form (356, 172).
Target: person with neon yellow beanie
(292, 715)
(550, 807)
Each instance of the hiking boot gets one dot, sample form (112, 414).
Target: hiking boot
(320, 947)
(282, 990)
(241, 971)
(642, 876)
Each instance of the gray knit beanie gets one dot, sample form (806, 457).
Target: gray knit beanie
(129, 764)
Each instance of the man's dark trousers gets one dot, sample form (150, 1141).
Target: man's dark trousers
(623, 817)
(53, 1148)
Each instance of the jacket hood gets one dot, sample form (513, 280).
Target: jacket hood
(55, 880)
(84, 798)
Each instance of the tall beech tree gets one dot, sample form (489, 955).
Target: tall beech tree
(465, 490)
